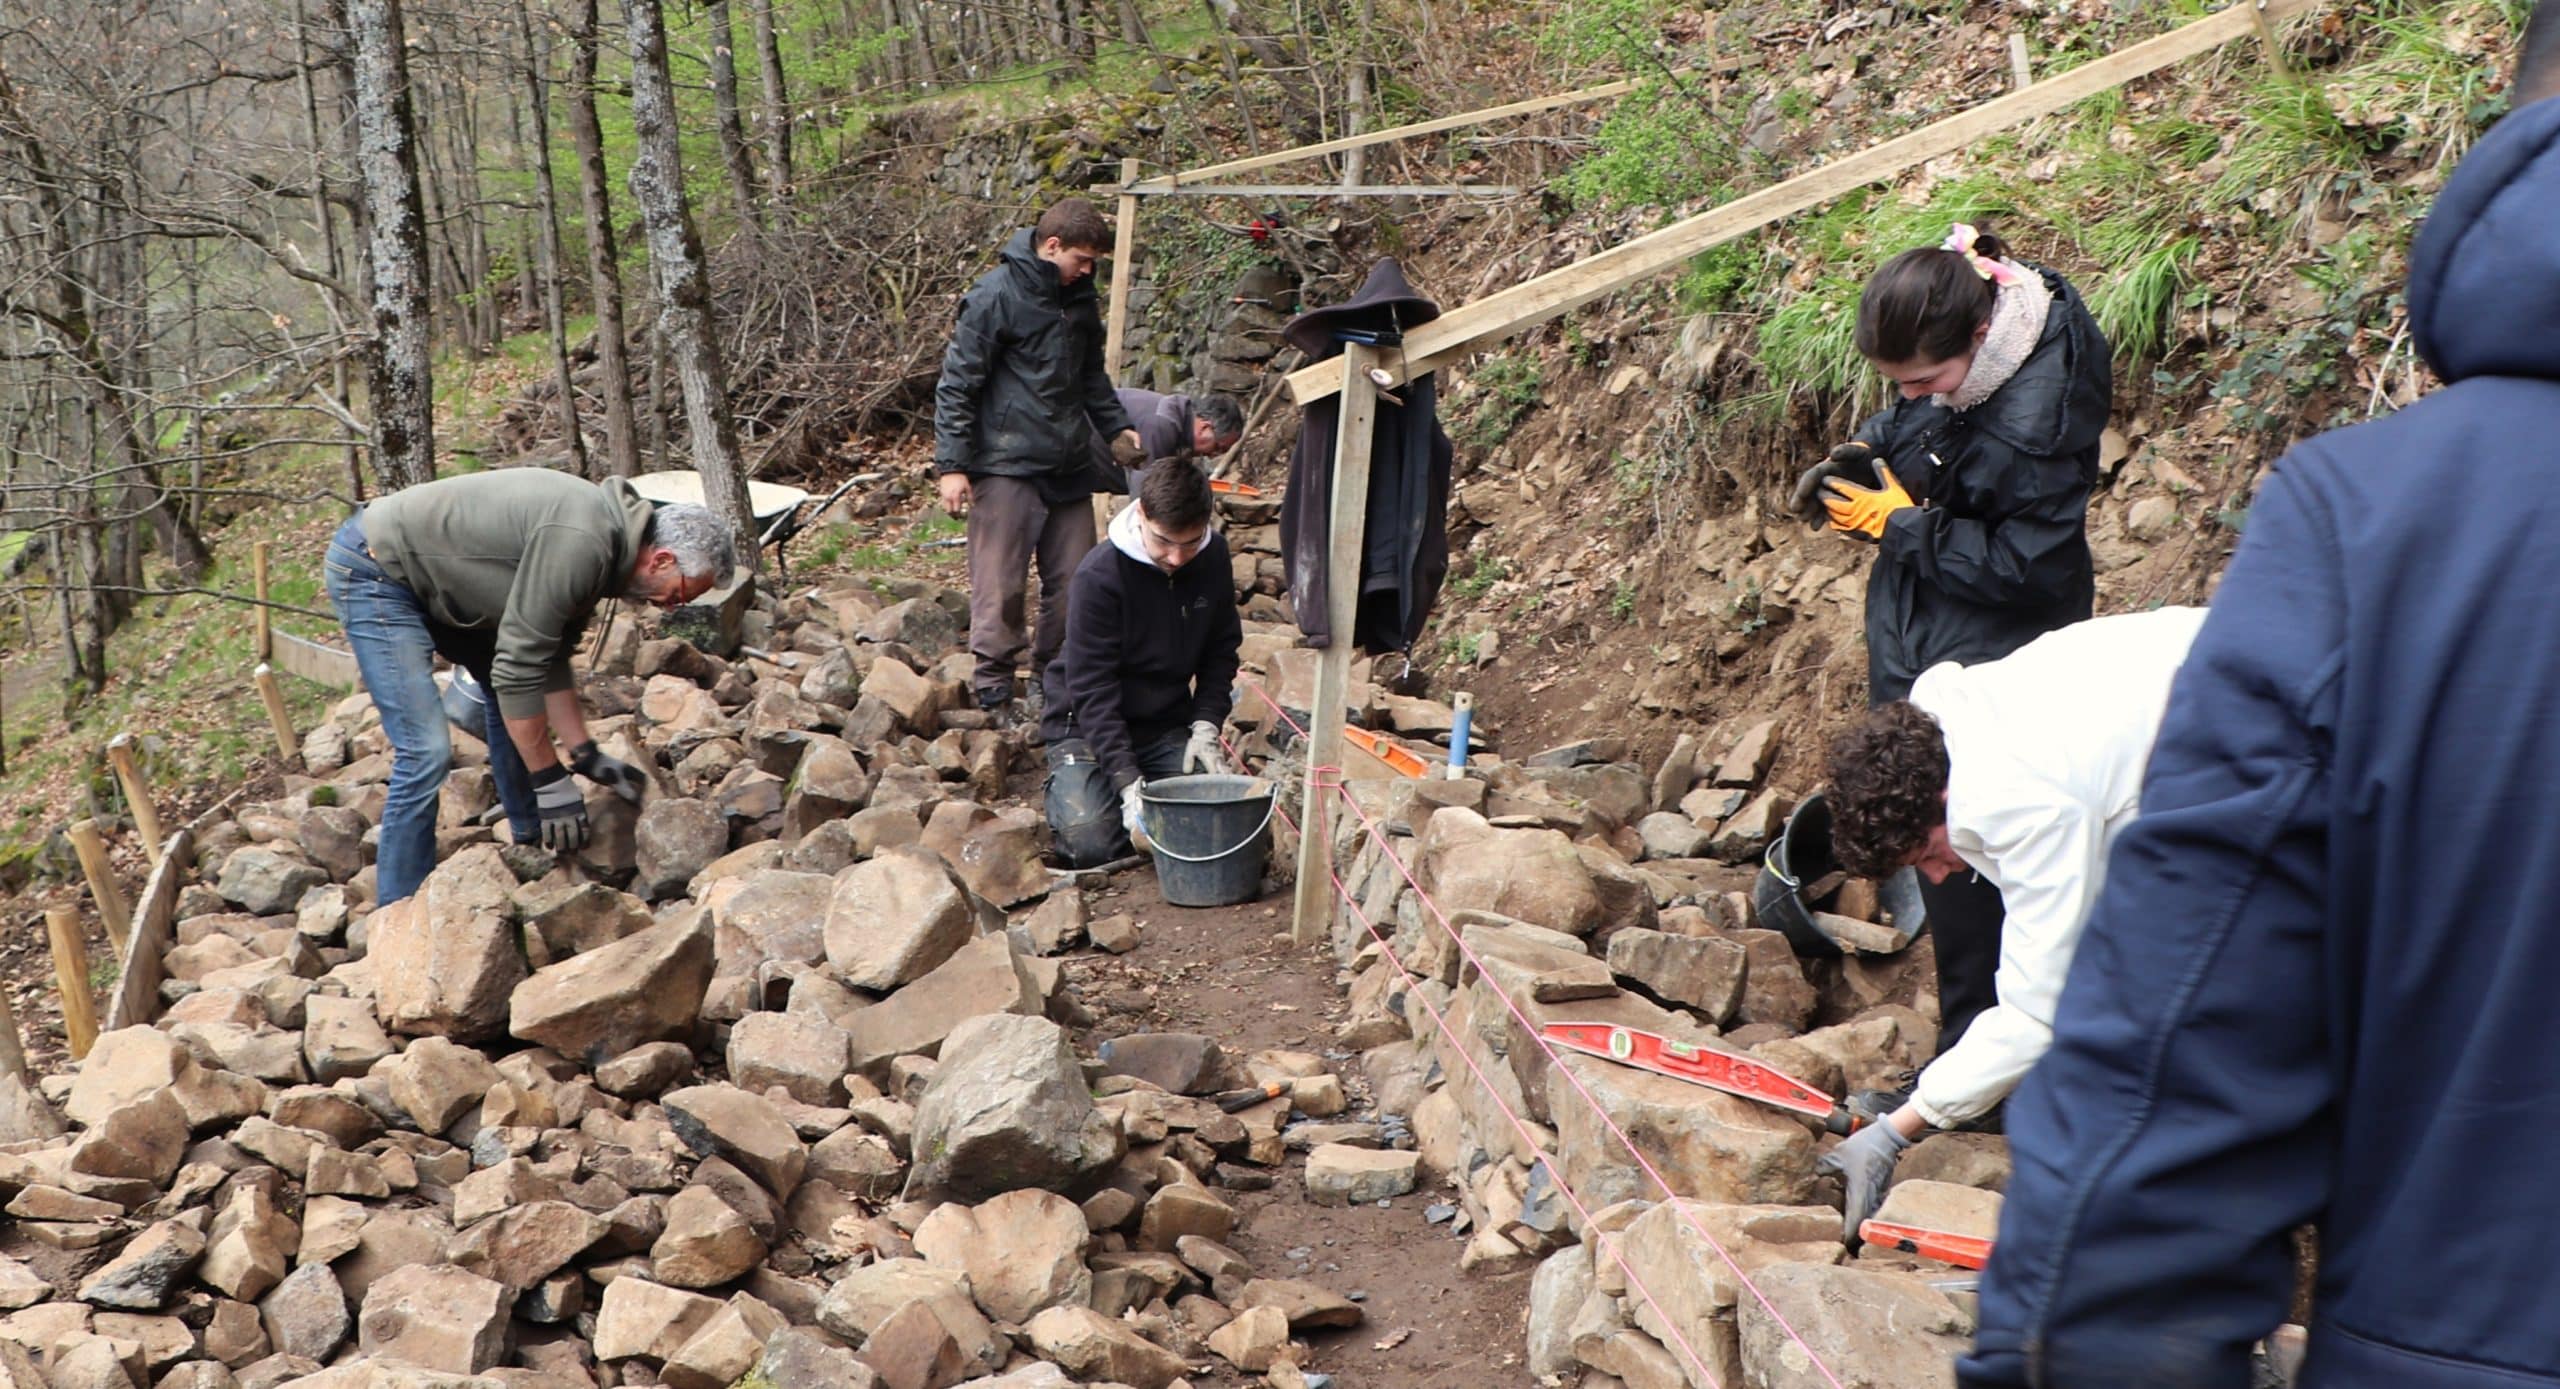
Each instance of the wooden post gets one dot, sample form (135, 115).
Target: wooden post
(266, 632)
(1115, 329)
(2267, 38)
(137, 794)
(13, 1048)
(1345, 537)
(2019, 69)
(288, 746)
(71, 970)
(112, 910)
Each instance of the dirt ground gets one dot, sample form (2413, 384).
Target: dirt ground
(1232, 973)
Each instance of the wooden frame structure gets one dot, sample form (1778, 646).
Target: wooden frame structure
(1360, 372)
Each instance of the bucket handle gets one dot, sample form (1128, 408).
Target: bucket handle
(1269, 806)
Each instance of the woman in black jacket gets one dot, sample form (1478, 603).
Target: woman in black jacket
(1974, 486)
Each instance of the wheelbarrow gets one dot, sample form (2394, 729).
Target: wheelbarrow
(780, 512)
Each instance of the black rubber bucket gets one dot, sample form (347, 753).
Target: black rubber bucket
(1212, 837)
(1801, 854)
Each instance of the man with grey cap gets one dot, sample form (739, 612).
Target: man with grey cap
(499, 573)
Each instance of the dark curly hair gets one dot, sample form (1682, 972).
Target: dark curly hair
(1888, 788)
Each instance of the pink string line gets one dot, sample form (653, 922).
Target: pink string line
(1556, 1061)
(1520, 1126)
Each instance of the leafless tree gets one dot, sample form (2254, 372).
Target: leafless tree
(402, 391)
(684, 288)
(604, 269)
(777, 104)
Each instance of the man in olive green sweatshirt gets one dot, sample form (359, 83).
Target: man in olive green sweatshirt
(498, 573)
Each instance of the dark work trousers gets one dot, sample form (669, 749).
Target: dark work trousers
(1010, 527)
(1965, 913)
(1083, 805)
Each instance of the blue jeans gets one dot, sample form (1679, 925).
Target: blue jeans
(395, 647)
(1083, 805)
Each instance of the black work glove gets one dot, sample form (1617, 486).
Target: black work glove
(563, 809)
(1864, 1162)
(611, 773)
(1852, 461)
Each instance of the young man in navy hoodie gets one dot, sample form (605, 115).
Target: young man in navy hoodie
(1148, 669)
(2317, 988)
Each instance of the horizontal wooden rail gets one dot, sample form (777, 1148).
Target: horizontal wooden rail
(1531, 302)
(1318, 190)
(1166, 183)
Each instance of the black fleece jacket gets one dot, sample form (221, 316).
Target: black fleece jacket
(1147, 653)
(1022, 383)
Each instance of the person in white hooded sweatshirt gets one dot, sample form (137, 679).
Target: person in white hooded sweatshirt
(2023, 769)
(1147, 671)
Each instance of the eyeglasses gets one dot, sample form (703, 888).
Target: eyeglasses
(1166, 542)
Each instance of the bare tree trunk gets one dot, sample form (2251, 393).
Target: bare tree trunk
(684, 290)
(724, 103)
(923, 66)
(387, 158)
(657, 350)
(1235, 77)
(537, 70)
(463, 146)
(777, 104)
(326, 216)
(604, 270)
(1133, 29)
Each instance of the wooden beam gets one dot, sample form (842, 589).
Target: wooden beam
(112, 911)
(317, 663)
(1347, 523)
(13, 1045)
(1525, 305)
(1115, 330)
(1124, 250)
(136, 1000)
(1433, 126)
(288, 743)
(71, 972)
(266, 628)
(1323, 190)
(137, 794)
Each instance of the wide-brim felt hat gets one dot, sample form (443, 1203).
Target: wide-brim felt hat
(1387, 302)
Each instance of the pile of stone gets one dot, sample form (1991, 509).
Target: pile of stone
(763, 1085)
(1558, 892)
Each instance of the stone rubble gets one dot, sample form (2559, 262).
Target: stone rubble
(770, 1079)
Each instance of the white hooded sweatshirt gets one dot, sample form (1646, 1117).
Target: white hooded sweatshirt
(2045, 752)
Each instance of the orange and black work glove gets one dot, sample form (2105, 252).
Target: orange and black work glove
(1853, 460)
(1864, 510)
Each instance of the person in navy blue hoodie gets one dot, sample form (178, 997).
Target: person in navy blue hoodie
(1148, 670)
(2317, 988)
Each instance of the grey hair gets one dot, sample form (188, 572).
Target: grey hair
(1224, 417)
(701, 542)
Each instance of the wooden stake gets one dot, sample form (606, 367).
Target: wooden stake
(266, 632)
(1115, 329)
(13, 1047)
(288, 744)
(137, 794)
(2019, 69)
(71, 971)
(1348, 524)
(102, 883)
(2267, 39)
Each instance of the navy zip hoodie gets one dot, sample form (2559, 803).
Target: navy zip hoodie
(1147, 653)
(2318, 985)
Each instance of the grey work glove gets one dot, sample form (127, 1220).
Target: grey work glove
(1864, 1163)
(1133, 809)
(611, 773)
(563, 808)
(1852, 461)
(1202, 753)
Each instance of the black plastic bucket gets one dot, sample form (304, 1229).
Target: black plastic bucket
(1212, 837)
(1801, 854)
